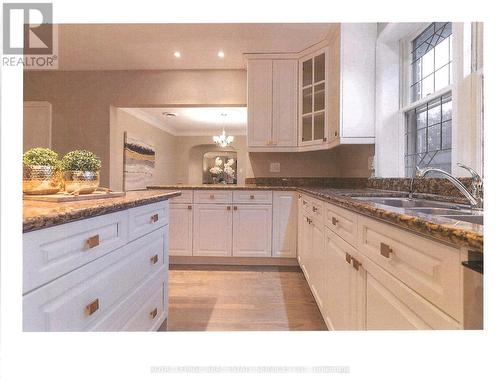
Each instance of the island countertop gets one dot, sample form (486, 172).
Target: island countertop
(458, 233)
(40, 214)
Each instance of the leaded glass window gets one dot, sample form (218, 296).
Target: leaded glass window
(428, 136)
(431, 60)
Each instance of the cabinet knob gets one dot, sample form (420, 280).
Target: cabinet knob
(92, 307)
(154, 259)
(324, 139)
(212, 196)
(315, 209)
(93, 241)
(356, 264)
(348, 258)
(334, 221)
(190, 207)
(228, 207)
(154, 218)
(385, 250)
(252, 197)
(153, 313)
(235, 207)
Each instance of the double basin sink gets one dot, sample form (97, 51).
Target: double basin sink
(435, 208)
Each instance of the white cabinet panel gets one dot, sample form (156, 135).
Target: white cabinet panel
(284, 224)
(213, 196)
(285, 94)
(252, 197)
(181, 230)
(212, 230)
(260, 102)
(186, 197)
(147, 218)
(252, 230)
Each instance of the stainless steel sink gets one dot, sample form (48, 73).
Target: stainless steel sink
(472, 218)
(402, 202)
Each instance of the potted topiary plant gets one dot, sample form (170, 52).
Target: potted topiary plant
(81, 171)
(41, 171)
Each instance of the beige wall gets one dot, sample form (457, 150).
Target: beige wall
(163, 143)
(81, 102)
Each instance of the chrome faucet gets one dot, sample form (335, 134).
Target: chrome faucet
(475, 197)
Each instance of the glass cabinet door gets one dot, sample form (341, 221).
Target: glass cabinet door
(313, 98)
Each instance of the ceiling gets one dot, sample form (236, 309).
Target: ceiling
(152, 46)
(190, 121)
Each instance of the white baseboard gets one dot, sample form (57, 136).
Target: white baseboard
(224, 260)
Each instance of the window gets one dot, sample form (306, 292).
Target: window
(430, 61)
(428, 125)
(428, 136)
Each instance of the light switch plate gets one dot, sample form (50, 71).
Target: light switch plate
(274, 167)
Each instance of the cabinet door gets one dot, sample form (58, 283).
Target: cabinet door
(344, 286)
(181, 230)
(285, 93)
(260, 102)
(252, 230)
(317, 272)
(212, 230)
(284, 224)
(305, 244)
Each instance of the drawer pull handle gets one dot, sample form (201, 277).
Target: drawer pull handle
(315, 209)
(309, 221)
(212, 196)
(334, 221)
(385, 250)
(235, 207)
(356, 264)
(153, 313)
(92, 307)
(348, 258)
(154, 218)
(154, 259)
(190, 207)
(252, 197)
(93, 241)
(228, 207)
(304, 202)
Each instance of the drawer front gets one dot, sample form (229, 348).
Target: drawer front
(342, 222)
(186, 197)
(212, 196)
(430, 268)
(147, 218)
(317, 209)
(306, 203)
(133, 313)
(53, 252)
(252, 197)
(80, 299)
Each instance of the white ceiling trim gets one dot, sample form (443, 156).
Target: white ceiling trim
(139, 114)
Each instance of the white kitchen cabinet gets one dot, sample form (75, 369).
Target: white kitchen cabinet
(252, 230)
(272, 103)
(181, 230)
(260, 102)
(344, 285)
(284, 224)
(212, 230)
(305, 244)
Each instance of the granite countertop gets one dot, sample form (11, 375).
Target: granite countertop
(40, 214)
(459, 233)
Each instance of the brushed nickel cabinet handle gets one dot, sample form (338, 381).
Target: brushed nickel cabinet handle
(153, 313)
(348, 258)
(385, 250)
(334, 221)
(235, 207)
(93, 241)
(92, 307)
(356, 264)
(154, 218)
(212, 196)
(190, 207)
(228, 207)
(154, 259)
(315, 209)
(252, 197)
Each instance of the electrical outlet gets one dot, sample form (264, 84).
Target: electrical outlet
(274, 167)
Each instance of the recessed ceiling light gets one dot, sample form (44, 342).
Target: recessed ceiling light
(220, 54)
(169, 115)
(177, 54)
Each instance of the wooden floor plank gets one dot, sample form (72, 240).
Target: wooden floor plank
(241, 299)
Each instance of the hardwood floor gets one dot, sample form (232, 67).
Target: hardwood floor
(231, 298)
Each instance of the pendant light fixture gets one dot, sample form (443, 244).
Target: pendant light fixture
(223, 140)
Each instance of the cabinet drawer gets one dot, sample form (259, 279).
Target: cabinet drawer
(391, 305)
(186, 197)
(430, 268)
(212, 196)
(53, 252)
(306, 203)
(252, 197)
(342, 222)
(80, 299)
(147, 218)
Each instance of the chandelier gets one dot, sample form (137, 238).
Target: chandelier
(223, 140)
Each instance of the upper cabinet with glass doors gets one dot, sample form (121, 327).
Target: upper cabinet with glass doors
(313, 98)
